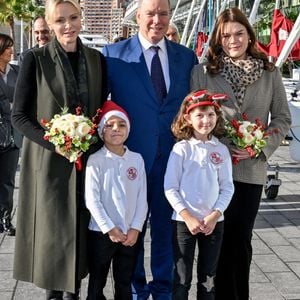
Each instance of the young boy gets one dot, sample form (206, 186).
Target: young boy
(115, 193)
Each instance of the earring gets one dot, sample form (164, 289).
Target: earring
(250, 41)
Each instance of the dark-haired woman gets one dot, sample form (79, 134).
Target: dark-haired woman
(9, 154)
(235, 67)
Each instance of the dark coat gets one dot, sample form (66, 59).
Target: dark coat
(6, 99)
(52, 220)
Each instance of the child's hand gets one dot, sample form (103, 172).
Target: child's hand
(194, 225)
(132, 236)
(210, 222)
(116, 235)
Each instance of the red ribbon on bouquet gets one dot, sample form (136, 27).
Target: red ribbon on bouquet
(78, 164)
(251, 152)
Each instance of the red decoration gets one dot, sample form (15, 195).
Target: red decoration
(281, 27)
(201, 40)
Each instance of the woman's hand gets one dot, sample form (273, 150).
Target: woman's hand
(240, 153)
(59, 151)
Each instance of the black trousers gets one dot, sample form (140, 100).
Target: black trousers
(184, 244)
(101, 252)
(232, 281)
(8, 169)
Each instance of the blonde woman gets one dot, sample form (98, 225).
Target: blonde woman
(52, 219)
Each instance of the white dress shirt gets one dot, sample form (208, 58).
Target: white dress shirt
(199, 178)
(162, 53)
(115, 191)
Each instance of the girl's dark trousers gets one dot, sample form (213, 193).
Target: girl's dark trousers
(184, 244)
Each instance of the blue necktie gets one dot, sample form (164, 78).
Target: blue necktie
(157, 75)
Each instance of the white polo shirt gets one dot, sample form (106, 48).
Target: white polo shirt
(115, 191)
(199, 178)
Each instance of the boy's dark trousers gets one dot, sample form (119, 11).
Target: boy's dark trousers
(101, 252)
(184, 244)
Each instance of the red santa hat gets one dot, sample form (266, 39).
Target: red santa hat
(109, 109)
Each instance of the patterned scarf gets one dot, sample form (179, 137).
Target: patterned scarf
(241, 73)
(76, 84)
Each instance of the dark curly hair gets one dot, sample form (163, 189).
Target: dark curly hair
(215, 50)
(182, 130)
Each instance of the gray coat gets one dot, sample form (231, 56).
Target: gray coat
(266, 95)
(52, 223)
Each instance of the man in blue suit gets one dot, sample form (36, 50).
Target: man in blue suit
(129, 68)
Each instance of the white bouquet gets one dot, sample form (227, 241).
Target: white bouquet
(247, 135)
(71, 133)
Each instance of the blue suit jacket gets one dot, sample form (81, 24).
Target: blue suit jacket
(131, 87)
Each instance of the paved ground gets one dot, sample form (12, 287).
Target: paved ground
(275, 271)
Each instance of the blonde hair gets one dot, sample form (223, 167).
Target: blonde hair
(51, 5)
(182, 130)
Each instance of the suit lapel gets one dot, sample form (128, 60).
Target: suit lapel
(136, 58)
(250, 94)
(222, 86)
(174, 67)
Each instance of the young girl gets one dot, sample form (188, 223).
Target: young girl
(198, 184)
(116, 197)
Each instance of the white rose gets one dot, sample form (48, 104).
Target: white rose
(248, 138)
(258, 134)
(68, 118)
(244, 127)
(80, 118)
(243, 130)
(56, 123)
(82, 129)
(69, 130)
(64, 126)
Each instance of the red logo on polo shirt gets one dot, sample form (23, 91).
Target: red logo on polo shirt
(132, 173)
(215, 158)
